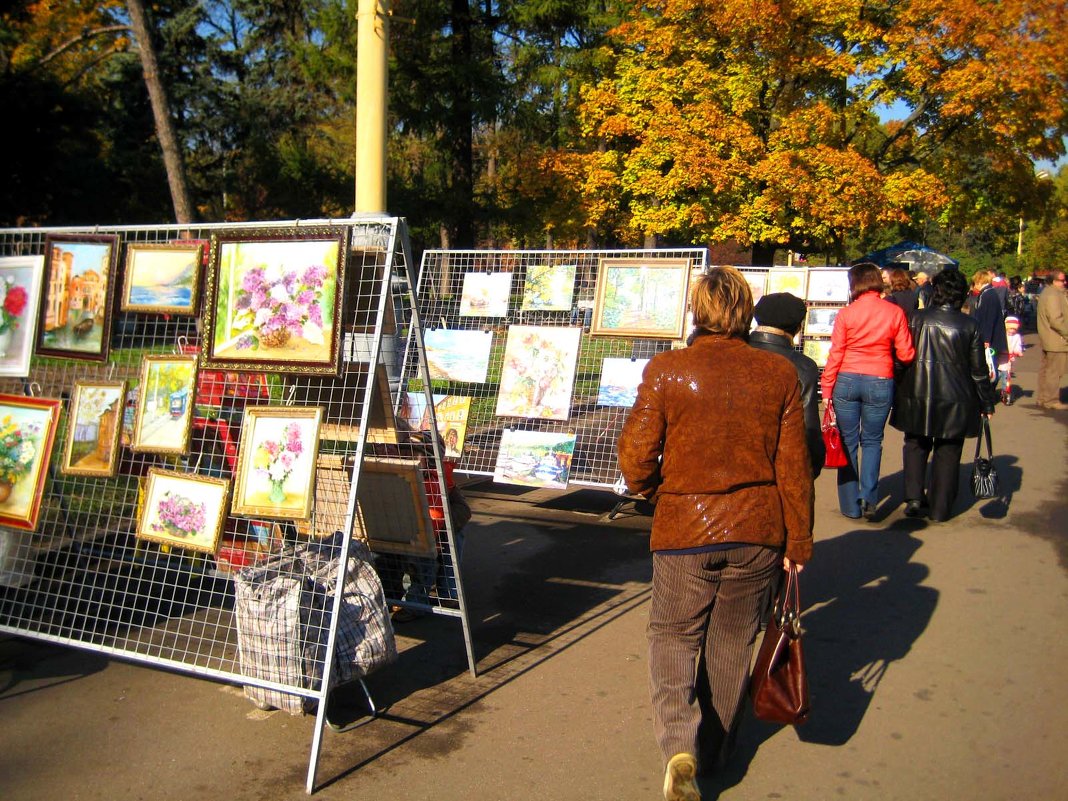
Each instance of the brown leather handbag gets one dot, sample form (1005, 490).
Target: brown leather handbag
(779, 686)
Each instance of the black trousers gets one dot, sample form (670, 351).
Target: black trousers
(941, 491)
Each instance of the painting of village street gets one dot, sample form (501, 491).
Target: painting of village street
(535, 458)
(93, 428)
(74, 313)
(165, 404)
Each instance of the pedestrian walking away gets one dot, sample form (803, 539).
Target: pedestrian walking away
(1053, 336)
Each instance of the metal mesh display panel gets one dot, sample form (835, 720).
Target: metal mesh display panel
(589, 416)
(84, 577)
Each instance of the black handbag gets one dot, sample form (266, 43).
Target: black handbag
(779, 686)
(984, 476)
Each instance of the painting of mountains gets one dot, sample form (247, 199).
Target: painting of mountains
(162, 278)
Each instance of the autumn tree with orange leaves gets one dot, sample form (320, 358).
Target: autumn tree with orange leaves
(759, 121)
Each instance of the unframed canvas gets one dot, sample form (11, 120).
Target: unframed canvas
(538, 372)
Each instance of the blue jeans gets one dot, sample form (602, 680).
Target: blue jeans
(862, 405)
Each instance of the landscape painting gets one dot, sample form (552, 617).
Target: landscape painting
(74, 318)
(619, 381)
(534, 458)
(165, 397)
(485, 294)
(820, 321)
(538, 373)
(163, 278)
(549, 287)
(641, 298)
(93, 428)
(20, 296)
(457, 354)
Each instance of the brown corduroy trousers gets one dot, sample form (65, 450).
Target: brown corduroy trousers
(705, 614)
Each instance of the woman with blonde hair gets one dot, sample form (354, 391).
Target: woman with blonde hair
(716, 438)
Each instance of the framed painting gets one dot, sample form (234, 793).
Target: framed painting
(74, 319)
(392, 513)
(548, 287)
(276, 462)
(818, 350)
(20, 285)
(183, 510)
(274, 299)
(538, 373)
(27, 432)
(163, 278)
(819, 322)
(450, 412)
(619, 381)
(641, 298)
(787, 279)
(93, 428)
(165, 396)
(534, 458)
(828, 286)
(458, 355)
(485, 294)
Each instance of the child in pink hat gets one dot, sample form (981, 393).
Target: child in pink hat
(1015, 350)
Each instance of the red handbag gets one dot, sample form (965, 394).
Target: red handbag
(779, 686)
(832, 440)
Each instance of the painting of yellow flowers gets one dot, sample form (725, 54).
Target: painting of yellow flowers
(538, 374)
(27, 431)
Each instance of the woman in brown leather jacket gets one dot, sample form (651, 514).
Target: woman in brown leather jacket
(716, 438)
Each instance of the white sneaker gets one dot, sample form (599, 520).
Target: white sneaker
(680, 779)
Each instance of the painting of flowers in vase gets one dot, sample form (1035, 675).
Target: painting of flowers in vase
(27, 431)
(274, 299)
(20, 295)
(183, 510)
(276, 462)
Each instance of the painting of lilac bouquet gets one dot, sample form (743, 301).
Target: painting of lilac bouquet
(183, 510)
(179, 516)
(275, 300)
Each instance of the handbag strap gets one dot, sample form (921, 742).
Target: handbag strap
(789, 611)
(984, 429)
(829, 417)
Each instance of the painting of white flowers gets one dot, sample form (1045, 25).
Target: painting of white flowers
(274, 300)
(20, 287)
(27, 431)
(276, 461)
(183, 510)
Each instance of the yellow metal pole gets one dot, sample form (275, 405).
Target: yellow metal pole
(372, 81)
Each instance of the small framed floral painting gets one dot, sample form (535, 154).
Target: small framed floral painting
(27, 431)
(74, 319)
(641, 298)
(276, 462)
(165, 397)
(183, 510)
(93, 428)
(274, 300)
(20, 285)
(162, 278)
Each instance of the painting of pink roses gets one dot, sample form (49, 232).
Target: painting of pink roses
(274, 299)
(276, 461)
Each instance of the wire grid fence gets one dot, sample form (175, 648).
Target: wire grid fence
(595, 423)
(84, 578)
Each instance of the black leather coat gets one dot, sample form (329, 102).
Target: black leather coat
(944, 391)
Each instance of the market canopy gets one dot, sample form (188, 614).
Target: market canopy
(912, 256)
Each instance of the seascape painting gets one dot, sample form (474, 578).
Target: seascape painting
(538, 374)
(828, 286)
(458, 355)
(641, 298)
(549, 287)
(619, 381)
(485, 294)
(162, 278)
(535, 458)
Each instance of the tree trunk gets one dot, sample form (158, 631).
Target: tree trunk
(460, 129)
(168, 142)
(763, 254)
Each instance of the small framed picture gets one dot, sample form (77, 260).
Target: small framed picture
(20, 297)
(163, 278)
(27, 432)
(828, 285)
(165, 397)
(818, 350)
(641, 298)
(787, 279)
(276, 463)
(183, 510)
(74, 320)
(819, 322)
(93, 428)
(392, 511)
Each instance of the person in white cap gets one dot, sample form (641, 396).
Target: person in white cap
(1015, 350)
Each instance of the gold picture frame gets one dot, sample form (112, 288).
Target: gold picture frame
(183, 510)
(277, 455)
(162, 278)
(27, 427)
(641, 297)
(165, 397)
(93, 428)
(392, 514)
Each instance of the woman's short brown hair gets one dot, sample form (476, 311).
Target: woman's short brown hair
(981, 277)
(899, 280)
(722, 302)
(864, 277)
